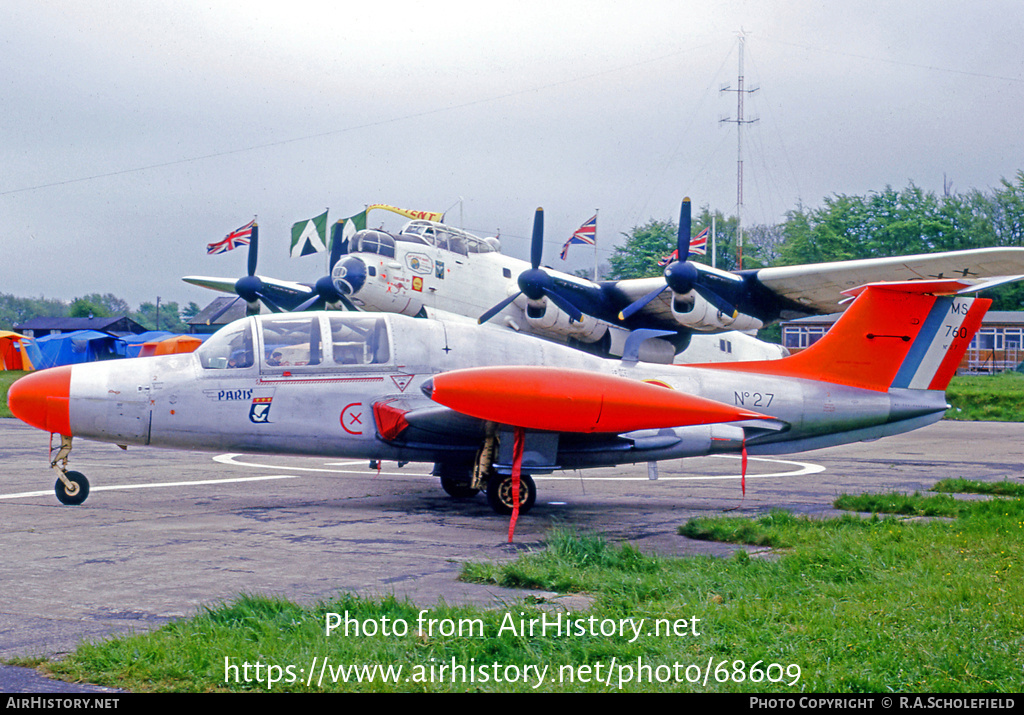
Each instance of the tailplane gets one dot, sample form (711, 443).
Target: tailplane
(895, 335)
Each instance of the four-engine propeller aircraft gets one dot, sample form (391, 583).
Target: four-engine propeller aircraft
(490, 407)
(431, 269)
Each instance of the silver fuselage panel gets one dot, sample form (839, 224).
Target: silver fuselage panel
(307, 384)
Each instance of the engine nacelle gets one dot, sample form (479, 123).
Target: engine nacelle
(694, 312)
(545, 316)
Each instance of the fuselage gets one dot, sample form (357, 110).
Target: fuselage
(429, 269)
(314, 383)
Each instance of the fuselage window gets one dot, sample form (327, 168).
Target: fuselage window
(229, 347)
(359, 341)
(293, 342)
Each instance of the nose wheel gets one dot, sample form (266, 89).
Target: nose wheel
(71, 487)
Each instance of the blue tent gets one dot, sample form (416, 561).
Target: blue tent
(133, 343)
(79, 346)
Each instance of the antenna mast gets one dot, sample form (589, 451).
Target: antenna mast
(739, 121)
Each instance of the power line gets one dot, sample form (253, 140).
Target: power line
(357, 127)
(933, 68)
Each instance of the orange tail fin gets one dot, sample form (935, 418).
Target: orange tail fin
(892, 336)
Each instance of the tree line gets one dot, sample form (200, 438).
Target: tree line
(14, 310)
(885, 223)
(891, 222)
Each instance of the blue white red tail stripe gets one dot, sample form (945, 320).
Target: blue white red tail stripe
(943, 327)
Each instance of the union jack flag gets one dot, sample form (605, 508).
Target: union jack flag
(699, 244)
(587, 234)
(698, 247)
(238, 237)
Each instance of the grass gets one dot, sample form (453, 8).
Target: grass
(844, 605)
(997, 398)
(7, 377)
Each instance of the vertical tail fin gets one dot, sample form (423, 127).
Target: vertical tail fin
(894, 335)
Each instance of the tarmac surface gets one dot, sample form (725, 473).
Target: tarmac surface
(164, 533)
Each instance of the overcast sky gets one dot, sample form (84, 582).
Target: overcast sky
(134, 133)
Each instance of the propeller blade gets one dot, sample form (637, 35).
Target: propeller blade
(537, 243)
(213, 318)
(274, 307)
(682, 255)
(636, 305)
(548, 398)
(716, 300)
(564, 305)
(683, 239)
(349, 305)
(337, 245)
(498, 308)
(307, 303)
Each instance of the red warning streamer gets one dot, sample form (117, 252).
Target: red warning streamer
(517, 463)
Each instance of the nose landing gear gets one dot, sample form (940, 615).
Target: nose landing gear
(71, 487)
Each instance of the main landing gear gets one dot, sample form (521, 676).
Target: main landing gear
(497, 486)
(71, 488)
(499, 493)
(464, 481)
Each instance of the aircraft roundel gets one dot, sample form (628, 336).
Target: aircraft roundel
(419, 263)
(352, 418)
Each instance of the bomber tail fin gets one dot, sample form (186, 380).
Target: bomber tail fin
(895, 335)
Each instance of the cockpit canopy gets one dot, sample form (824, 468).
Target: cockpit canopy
(299, 342)
(372, 241)
(429, 233)
(447, 237)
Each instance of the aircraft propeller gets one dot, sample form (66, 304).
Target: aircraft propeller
(326, 289)
(250, 287)
(535, 283)
(681, 276)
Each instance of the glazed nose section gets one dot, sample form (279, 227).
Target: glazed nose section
(349, 275)
(41, 399)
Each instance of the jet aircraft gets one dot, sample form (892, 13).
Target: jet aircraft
(430, 269)
(490, 407)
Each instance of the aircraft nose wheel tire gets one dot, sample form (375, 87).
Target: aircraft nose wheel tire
(78, 491)
(499, 493)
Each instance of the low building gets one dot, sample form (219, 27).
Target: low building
(41, 327)
(223, 310)
(997, 347)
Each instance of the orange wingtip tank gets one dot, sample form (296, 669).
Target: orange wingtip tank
(545, 398)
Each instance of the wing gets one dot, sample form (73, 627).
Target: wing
(287, 294)
(818, 287)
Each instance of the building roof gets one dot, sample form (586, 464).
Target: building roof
(198, 322)
(992, 317)
(121, 324)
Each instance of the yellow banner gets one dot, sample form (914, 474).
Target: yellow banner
(424, 215)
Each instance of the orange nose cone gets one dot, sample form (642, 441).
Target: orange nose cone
(41, 399)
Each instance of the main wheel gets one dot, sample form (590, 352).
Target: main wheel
(458, 489)
(77, 493)
(499, 493)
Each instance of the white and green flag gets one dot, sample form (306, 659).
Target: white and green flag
(345, 228)
(309, 236)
